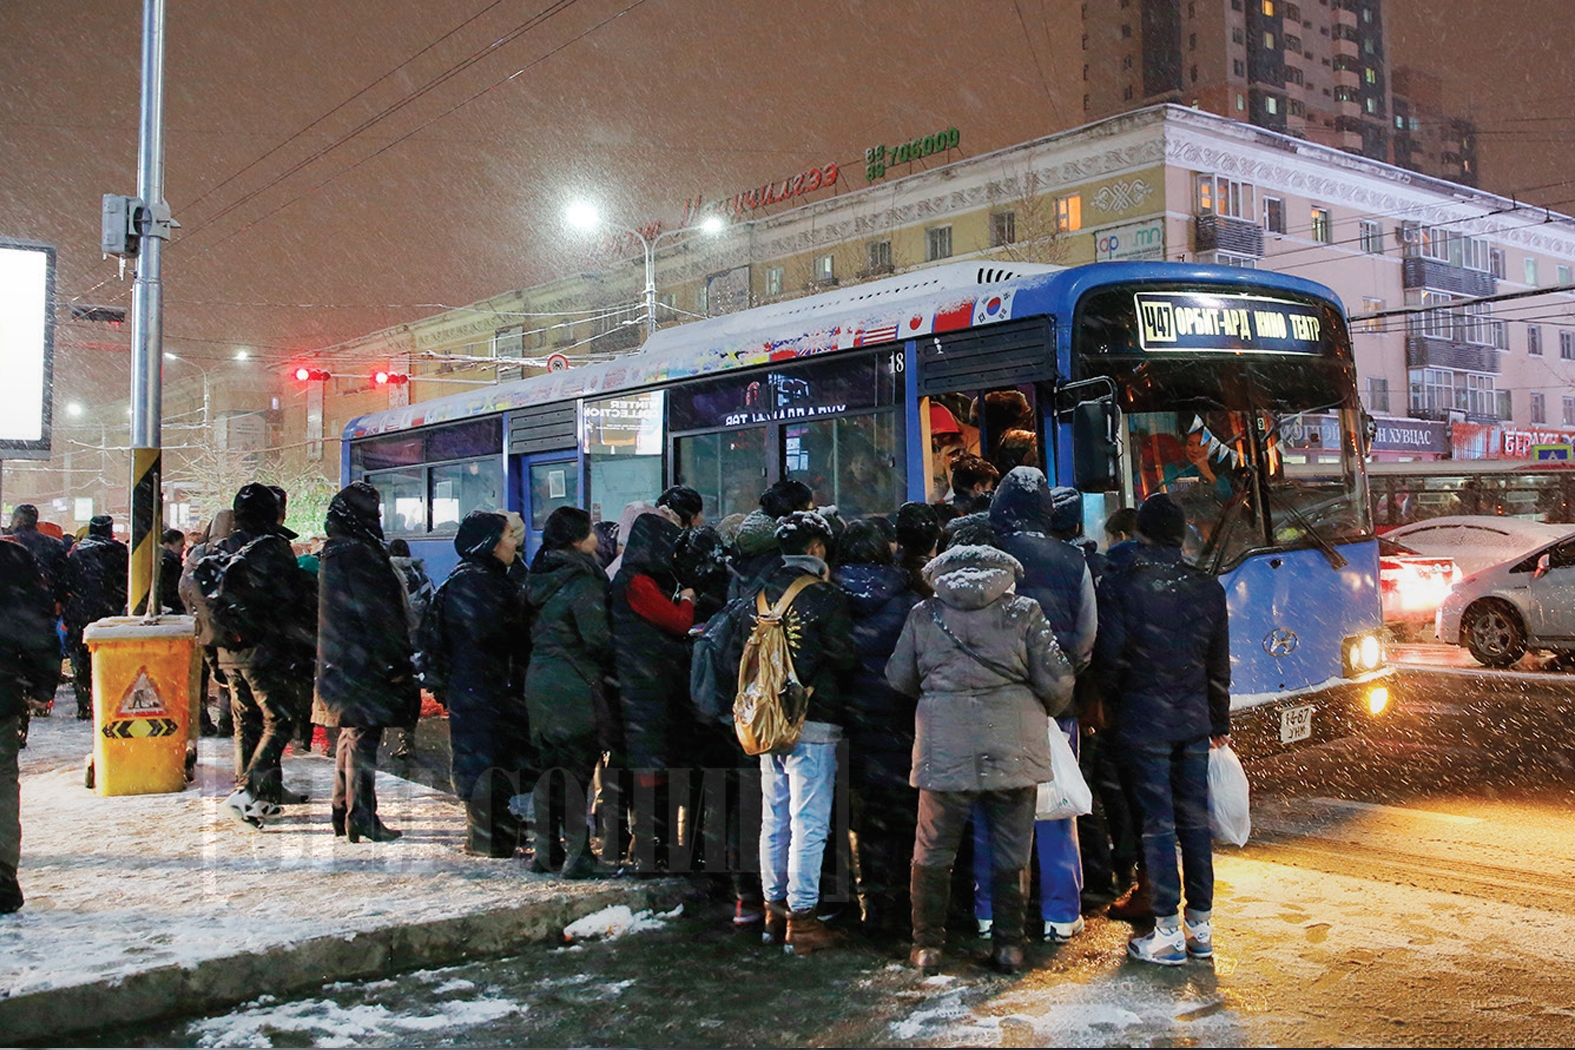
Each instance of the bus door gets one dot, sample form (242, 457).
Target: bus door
(547, 480)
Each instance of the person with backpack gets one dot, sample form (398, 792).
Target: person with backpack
(213, 534)
(249, 587)
(756, 542)
(418, 592)
(571, 655)
(799, 614)
(651, 614)
(989, 675)
(879, 727)
(29, 667)
(98, 589)
(365, 679)
(1163, 664)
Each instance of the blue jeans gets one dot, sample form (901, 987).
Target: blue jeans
(1170, 783)
(1060, 861)
(795, 820)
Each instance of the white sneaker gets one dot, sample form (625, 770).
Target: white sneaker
(985, 926)
(245, 809)
(1161, 946)
(1061, 932)
(1200, 940)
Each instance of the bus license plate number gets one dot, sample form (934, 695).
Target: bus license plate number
(1296, 723)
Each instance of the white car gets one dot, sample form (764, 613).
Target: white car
(1476, 541)
(1526, 603)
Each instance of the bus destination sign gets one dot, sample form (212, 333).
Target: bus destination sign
(1232, 323)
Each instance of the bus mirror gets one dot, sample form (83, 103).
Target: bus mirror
(1095, 448)
(1369, 433)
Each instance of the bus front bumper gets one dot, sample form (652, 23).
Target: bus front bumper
(1335, 709)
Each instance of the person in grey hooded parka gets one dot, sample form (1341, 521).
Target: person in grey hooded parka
(989, 675)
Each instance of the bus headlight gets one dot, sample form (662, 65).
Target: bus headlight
(1363, 653)
(1377, 699)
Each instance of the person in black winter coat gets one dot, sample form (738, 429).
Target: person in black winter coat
(365, 678)
(485, 649)
(49, 552)
(171, 546)
(98, 589)
(29, 666)
(879, 726)
(918, 532)
(651, 616)
(261, 668)
(1163, 664)
(571, 655)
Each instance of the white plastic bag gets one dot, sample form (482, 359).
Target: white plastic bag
(1230, 813)
(1068, 794)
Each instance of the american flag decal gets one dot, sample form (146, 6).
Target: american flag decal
(872, 336)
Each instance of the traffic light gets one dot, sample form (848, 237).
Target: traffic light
(389, 378)
(311, 375)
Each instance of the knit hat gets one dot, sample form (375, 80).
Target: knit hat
(101, 526)
(256, 508)
(756, 534)
(1162, 520)
(918, 527)
(479, 533)
(1066, 510)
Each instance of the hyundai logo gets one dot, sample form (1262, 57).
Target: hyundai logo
(1281, 641)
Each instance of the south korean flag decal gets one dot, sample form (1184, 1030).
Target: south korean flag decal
(992, 307)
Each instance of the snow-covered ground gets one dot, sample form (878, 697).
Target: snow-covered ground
(120, 885)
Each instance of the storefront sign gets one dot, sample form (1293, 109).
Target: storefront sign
(1134, 242)
(1411, 435)
(1239, 323)
(877, 158)
(1500, 441)
(775, 192)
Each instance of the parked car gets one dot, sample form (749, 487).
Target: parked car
(1476, 541)
(1506, 609)
(1412, 585)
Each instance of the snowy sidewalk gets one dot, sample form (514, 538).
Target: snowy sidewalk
(142, 906)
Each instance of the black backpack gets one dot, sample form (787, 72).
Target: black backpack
(431, 655)
(233, 597)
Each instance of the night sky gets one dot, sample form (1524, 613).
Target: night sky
(637, 104)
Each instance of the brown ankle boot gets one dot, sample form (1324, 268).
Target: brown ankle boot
(806, 934)
(1136, 905)
(776, 923)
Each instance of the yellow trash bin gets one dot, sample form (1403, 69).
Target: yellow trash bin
(145, 682)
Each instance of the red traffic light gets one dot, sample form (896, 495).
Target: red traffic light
(311, 375)
(389, 378)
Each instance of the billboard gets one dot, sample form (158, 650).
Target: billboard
(27, 333)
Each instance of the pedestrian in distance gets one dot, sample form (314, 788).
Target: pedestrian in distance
(365, 678)
(797, 787)
(49, 552)
(686, 503)
(29, 666)
(989, 674)
(98, 566)
(1163, 663)
(571, 656)
(418, 593)
(214, 533)
(171, 558)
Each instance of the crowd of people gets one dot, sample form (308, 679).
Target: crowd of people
(589, 695)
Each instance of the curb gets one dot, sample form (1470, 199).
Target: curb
(218, 983)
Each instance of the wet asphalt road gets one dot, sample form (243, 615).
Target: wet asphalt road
(1414, 886)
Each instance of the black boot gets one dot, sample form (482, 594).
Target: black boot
(1008, 899)
(930, 889)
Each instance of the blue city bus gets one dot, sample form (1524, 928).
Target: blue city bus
(1123, 379)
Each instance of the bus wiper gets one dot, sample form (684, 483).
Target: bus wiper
(1336, 559)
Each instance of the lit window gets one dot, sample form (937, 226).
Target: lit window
(1069, 213)
(1320, 225)
(1241, 102)
(1372, 237)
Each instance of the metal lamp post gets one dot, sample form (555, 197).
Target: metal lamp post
(586, 217)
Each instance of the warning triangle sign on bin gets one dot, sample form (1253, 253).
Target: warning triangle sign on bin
(141, 699)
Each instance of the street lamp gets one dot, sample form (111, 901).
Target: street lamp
(584, 216)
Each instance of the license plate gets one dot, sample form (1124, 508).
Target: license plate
(1296, 723)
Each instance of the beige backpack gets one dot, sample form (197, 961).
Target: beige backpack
(771, 704)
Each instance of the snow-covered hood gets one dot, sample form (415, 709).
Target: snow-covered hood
(972, 577)
(1022, 503)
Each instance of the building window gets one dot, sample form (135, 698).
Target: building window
(1569, 411)
(1534, 340)
(702, 300)
(1194, 80)
(1539, 409)
(880, 257)
(1293, 13)
(1566, 344)
(1241, 101)
(1456, 249)
(1372, 237)
(1293, 43)
(1377, 395)
(1126, 32)
(825, 268)
(937, 243)
(1372, 106)
(1274, 214)
(1192, 42)
(1237, 37)
(1126, 93)
(1003, 228)
(1293, 75)
(1126, 61)
(1240, 69)
(1564, 275)
(1297, 108)
(774, 281)
(1531, 271)
(1496, 262)
(1372, 306)
(1069, 213)
(1268, 8)
(1321, 230)
(1245, 262)
(1271, 105)
(1219, 195)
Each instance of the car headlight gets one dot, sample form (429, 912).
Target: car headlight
(1363, 653)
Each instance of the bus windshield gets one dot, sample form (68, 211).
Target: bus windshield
(1206, 428)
